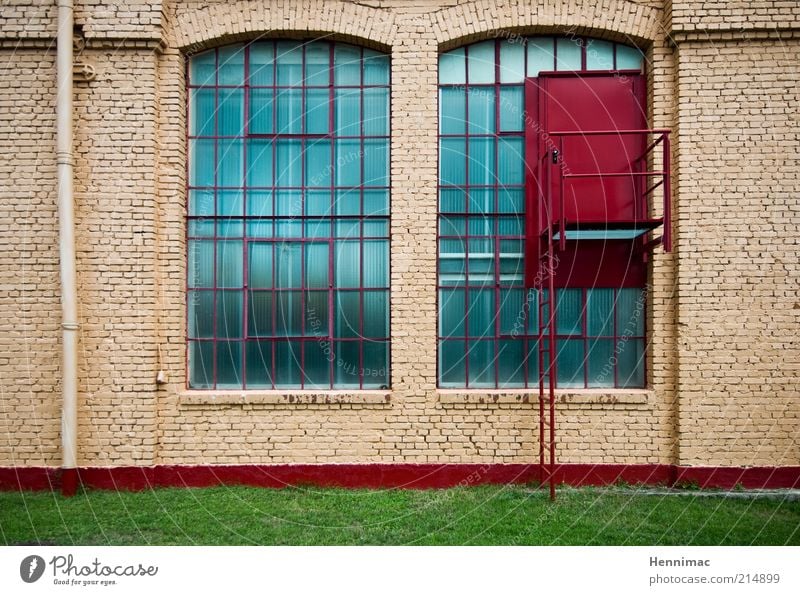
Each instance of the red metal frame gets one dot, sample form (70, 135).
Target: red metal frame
(299, 239)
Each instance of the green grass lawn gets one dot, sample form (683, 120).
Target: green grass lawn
(486, 515)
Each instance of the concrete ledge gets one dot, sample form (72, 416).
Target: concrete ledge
(281, 397)
(531, 397)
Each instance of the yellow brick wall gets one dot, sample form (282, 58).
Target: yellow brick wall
(130, 207)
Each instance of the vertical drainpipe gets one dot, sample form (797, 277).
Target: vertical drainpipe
(66, 247)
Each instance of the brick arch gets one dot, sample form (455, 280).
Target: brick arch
(619, 20)
(195, 27)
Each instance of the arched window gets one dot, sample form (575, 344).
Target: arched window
(488, 319)
(288, 217)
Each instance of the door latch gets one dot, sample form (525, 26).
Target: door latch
(555, 156)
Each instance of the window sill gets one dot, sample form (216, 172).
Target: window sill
(284, 397)
(530, 397)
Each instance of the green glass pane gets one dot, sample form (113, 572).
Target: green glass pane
(376, 162)
(481, 62)
(259, 163)
(260, 229)
(316, 313)
(376, 364)
(629, 58)
(376, 202)
(512, 109)
(376, 112)
(481, 201)
(201, 314)
(318, 202)
(288, 358)
(347, 112)
(510, 226)
(452, 68)
(229, 314)
(201, 162)
(229, 263)
(203, 68)
(376, 263)
(481, 358)
(288, 264)
(510, 361)
(511, 161)
(532, 310)
(229, 155)
(568, 54)
(481, 110)
(452, 364)
(202, 110)
(348, 202)
(569, 309)
(569, 363)
(481, 161)
(288, 314)
(511, 200)
(289, 163)
(347, 228)
(201, 202)
(317, 111)
(376, 68)
(600, 312)
(201, 263)
(346, 65)
(259, 314)
(230, 229)
(376, 314)
(229, 364)
(289, 63)
(318, 163)
(533, 362)
(316, 367)
(262, 58)
(230, 203)
(452, 161)
(318, 228)
(630, 363)
(376, 228)
(452, 200)
(346, 263)
(231, 65)
(513, 312)
(346, 318)
(262, 107)
(599, 55)
(347, 364)
(259, 204)
(541, 55)
(317, 63)
(348, 162)
(231, 112)
(316, 267)
(601, 363)
(290, 111)
(630, 312)
(201, 228)
(452, 262)
(452, 110)
(259, 364)
(201, 364)
(512, 61)
(259, 270)
(451, 312)
(481, 310)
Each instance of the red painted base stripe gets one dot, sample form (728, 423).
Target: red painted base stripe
(407, 476)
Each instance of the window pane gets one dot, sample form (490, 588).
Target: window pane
(510, 361)
(316, 365)
(231, 65)
(376, 364)
(259, 269)
(346, 263)
(451, 312)
(347, 65)
(599, 55)
(259, 163)
(260, 314)
(346, 322)
(481, 110)
(201, 202)
(201, 228)
(231, 112)
(569, 363)
(202, 69)
(229, 264)
(289, 164)
(481, 62)
(317, 265)
(348, 202)
(511, 161)
(201, 263)
(481, 314)
(201, 162)
(261, 111)
(317, 63)
(376, 112)
(317, 320)
(229, 154)
(318, 163)
(261, 63)
(376, 68)
(259, 364)
(201, 364)
(629, 58)
(630, 312)
(317, 111)
(376, 202)
(347, 114)
(481, 161)
(541, 57)
(229, 314)
(288, 262)
(289, 111)
(202, 108)
(481, 201)
(630, 363)
(568, 55)
(318, 202)
(600, 312)
(452, 160)
(229, 203)
(569, 308)
(229, 364)
(289, 314)
(201, 314)
(376, 162)
(601, 363)
(533, 362)
(452, 363)
(481, 364)
(452, 68)
(348, 162)
(288, 357)
(376, 314)
(347, 370)
(513, 312)
(290, 63)
(452, 110)
(512, 61)
(511, 201)
(452, 200)
(512, 109)
(376, 263)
